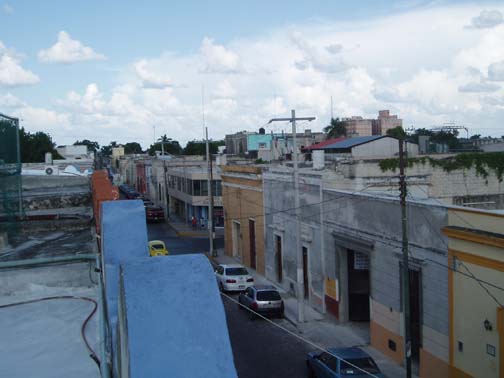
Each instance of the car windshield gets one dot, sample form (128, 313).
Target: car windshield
(158, 246)
(236, 271)
(367, 364)
(270, 295)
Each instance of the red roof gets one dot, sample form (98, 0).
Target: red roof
(325, 143)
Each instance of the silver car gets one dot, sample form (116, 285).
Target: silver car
(262, 299)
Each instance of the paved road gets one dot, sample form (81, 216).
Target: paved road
(179, 245)
(262, 350)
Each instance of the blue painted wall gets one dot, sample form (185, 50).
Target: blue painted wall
(176, 325)
(124, 237)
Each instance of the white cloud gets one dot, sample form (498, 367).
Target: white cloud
(7, 8)
(224, 89)
(496, 71)
(11, 72)
(68, 50)
(364, 66)
(10, 101)
(149, 78)
(476, 87)
(487, 19)
(218, 59)
(320, 59)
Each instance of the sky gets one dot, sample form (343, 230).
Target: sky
(129, 71)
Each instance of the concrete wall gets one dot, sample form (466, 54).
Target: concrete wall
(450, 188)
(373, 224)
(242, 197)
(174, 327)
(40, 182)
(384, 147)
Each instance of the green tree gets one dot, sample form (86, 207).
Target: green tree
(198, 147)
(336, 128)
(34, 146)
(132, 148)
(170, 146)
(442, 137)
(91, 145)
(107, 150)
(397, 132)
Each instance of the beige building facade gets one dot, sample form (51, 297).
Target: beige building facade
(242, 198)
(476, 294)
(358, 126)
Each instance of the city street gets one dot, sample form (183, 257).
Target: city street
(262, 350)
(177, 245)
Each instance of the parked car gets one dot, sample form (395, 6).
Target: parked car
(263, 299)
(233, 277)
(124, 188)
(132, 194)
(342, 362)
(157, 248)
(154, 214)
(147, 202)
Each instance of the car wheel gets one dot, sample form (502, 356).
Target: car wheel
(221, 287)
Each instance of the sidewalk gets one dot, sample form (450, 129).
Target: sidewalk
(183, 228)
(319, 330)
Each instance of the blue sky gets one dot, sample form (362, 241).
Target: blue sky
(121, 68)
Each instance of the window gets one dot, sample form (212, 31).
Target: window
(270, 295)
(216, 188)
(204, 187)
(236, 272)
(196, 187)
(199, 188)
(328, 360)
(189, 186)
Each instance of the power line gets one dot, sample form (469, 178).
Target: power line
(303, 339)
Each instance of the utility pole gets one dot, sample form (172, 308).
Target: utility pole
(405, 270)
(211, 229)
(299, 250)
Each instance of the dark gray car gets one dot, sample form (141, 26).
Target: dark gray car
(262, 299)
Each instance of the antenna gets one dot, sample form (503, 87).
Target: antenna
(332, 115)
(203, 104)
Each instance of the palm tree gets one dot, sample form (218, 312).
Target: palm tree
(336, 128)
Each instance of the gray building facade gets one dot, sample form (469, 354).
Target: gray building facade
(352, 260)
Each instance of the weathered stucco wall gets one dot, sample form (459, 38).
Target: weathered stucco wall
(372, 224)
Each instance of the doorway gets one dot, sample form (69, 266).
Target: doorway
(305, 273)
(358, 286)
(415, 311)
(236, 239)
(278, 257)
(252, 243)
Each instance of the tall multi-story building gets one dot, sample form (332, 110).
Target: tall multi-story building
(358, 126)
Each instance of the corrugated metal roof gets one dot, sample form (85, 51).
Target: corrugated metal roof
(324, 143)
(352, 142)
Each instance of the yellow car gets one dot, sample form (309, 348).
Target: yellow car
(157, 248)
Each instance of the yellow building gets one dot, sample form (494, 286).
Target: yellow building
(475, 282)
(242, 198)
